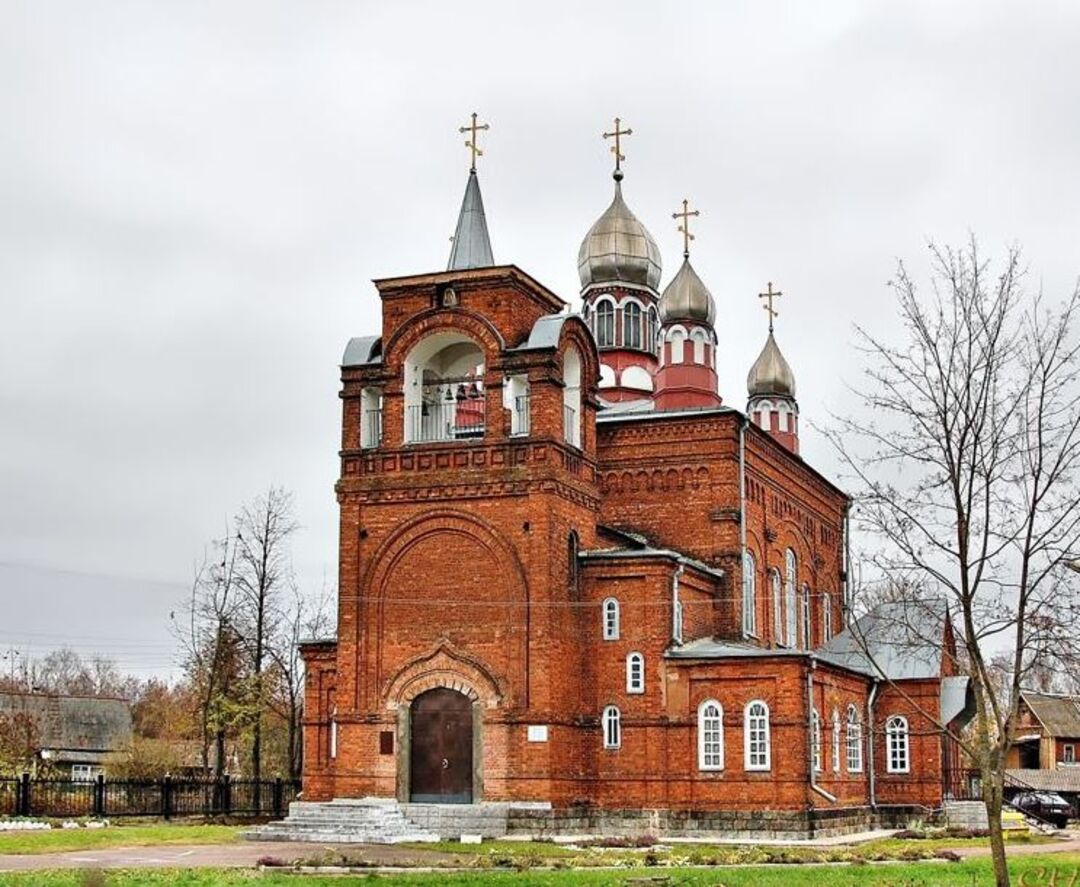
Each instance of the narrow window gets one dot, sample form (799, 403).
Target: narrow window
(651, 344)
(611, 619)
(605, 324)
(815, 739)
(749, 607)
(896, 741)
(756, 736)
(778, 608)
(333, 734)
(807, 636)
(710, 735)
(635, 673)
(612, 727)
(1068, 753)
(835, 741)
(791, 596)
(677, 338)
(631, 325)
(826, 618)
(854, 741)
(572, 560)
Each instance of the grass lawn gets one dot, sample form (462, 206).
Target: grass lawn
(58, 840)
(1035, 871)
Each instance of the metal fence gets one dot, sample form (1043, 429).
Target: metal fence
(168, 797)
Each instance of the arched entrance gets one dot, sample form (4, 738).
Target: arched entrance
(441, 748)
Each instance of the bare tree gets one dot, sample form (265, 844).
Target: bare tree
(965, 461)
(263, 576)
(206, 630)
(306, 617)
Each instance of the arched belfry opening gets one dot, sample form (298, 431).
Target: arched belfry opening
(441, 748)
(444, 389)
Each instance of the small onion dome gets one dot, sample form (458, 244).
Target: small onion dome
(687, 298)
(770, 374)
(619, 248)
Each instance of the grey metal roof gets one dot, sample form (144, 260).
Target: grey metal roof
(710, 648)
(362, 350)
(619, 248)
(1059, 714)
(770, 373)
(896, 640)
(545, 332)
(956, 698)
(472, 246)
(1063, 779)
(639, 410)
(74, 723)
(687, 298)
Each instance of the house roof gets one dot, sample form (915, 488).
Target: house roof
(1063, 779)
(1059, 715)
(901, 640)
(637, 545)
(73, 723)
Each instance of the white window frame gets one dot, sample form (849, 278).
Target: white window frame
(756, 732)
(605, 311)
(826, 618)
(635, 673)
(853, 741)
(778, 606)
(815, 740)
(85, 772)
(835, 741)
(791, 594)
(710, 732)
(611, 722)
(897, 745)
(611, 619)
(749, 607)
(807, 619)
(633, 317)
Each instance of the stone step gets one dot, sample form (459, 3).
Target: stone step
(363, 821)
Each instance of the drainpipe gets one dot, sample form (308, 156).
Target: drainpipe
(810, 723)
(870, 743)
(742, 515)
(846, 554)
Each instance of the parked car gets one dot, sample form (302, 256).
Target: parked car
(1047, 806)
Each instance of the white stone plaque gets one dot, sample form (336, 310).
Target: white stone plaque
(537, 732)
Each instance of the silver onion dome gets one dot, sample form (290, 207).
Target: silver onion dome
(618, 248)
(687, 298)
(770, 374)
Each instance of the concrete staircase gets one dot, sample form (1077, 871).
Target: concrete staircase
(344, 821)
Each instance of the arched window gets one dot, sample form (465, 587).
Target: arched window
(826, 618)
(631, 314)
(807, 625)
(854, 740)
(749, 600)
(756, 751)
(677, 338)
(612, 727)
(764, 411)
(835, 741)
(605, 324)
(897, 759)
(635, 673)
(572, 396)
(652, 331)
(778, 607)
(710, 735)
(815, 739)
(611, 619)
(333, 733)
(698, 338)
(790, 598)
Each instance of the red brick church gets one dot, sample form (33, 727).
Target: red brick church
(571, 573)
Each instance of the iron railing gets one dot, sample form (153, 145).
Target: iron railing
(166, 797)
(445, 420)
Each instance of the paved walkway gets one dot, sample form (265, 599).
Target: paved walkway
(246, 854)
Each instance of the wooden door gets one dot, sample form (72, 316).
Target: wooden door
(440, 749)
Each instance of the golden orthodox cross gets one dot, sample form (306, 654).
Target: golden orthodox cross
(617, 147)
(685, 226)
(471, 144)
(770, 295)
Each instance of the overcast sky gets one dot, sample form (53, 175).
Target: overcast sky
(194, 198)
